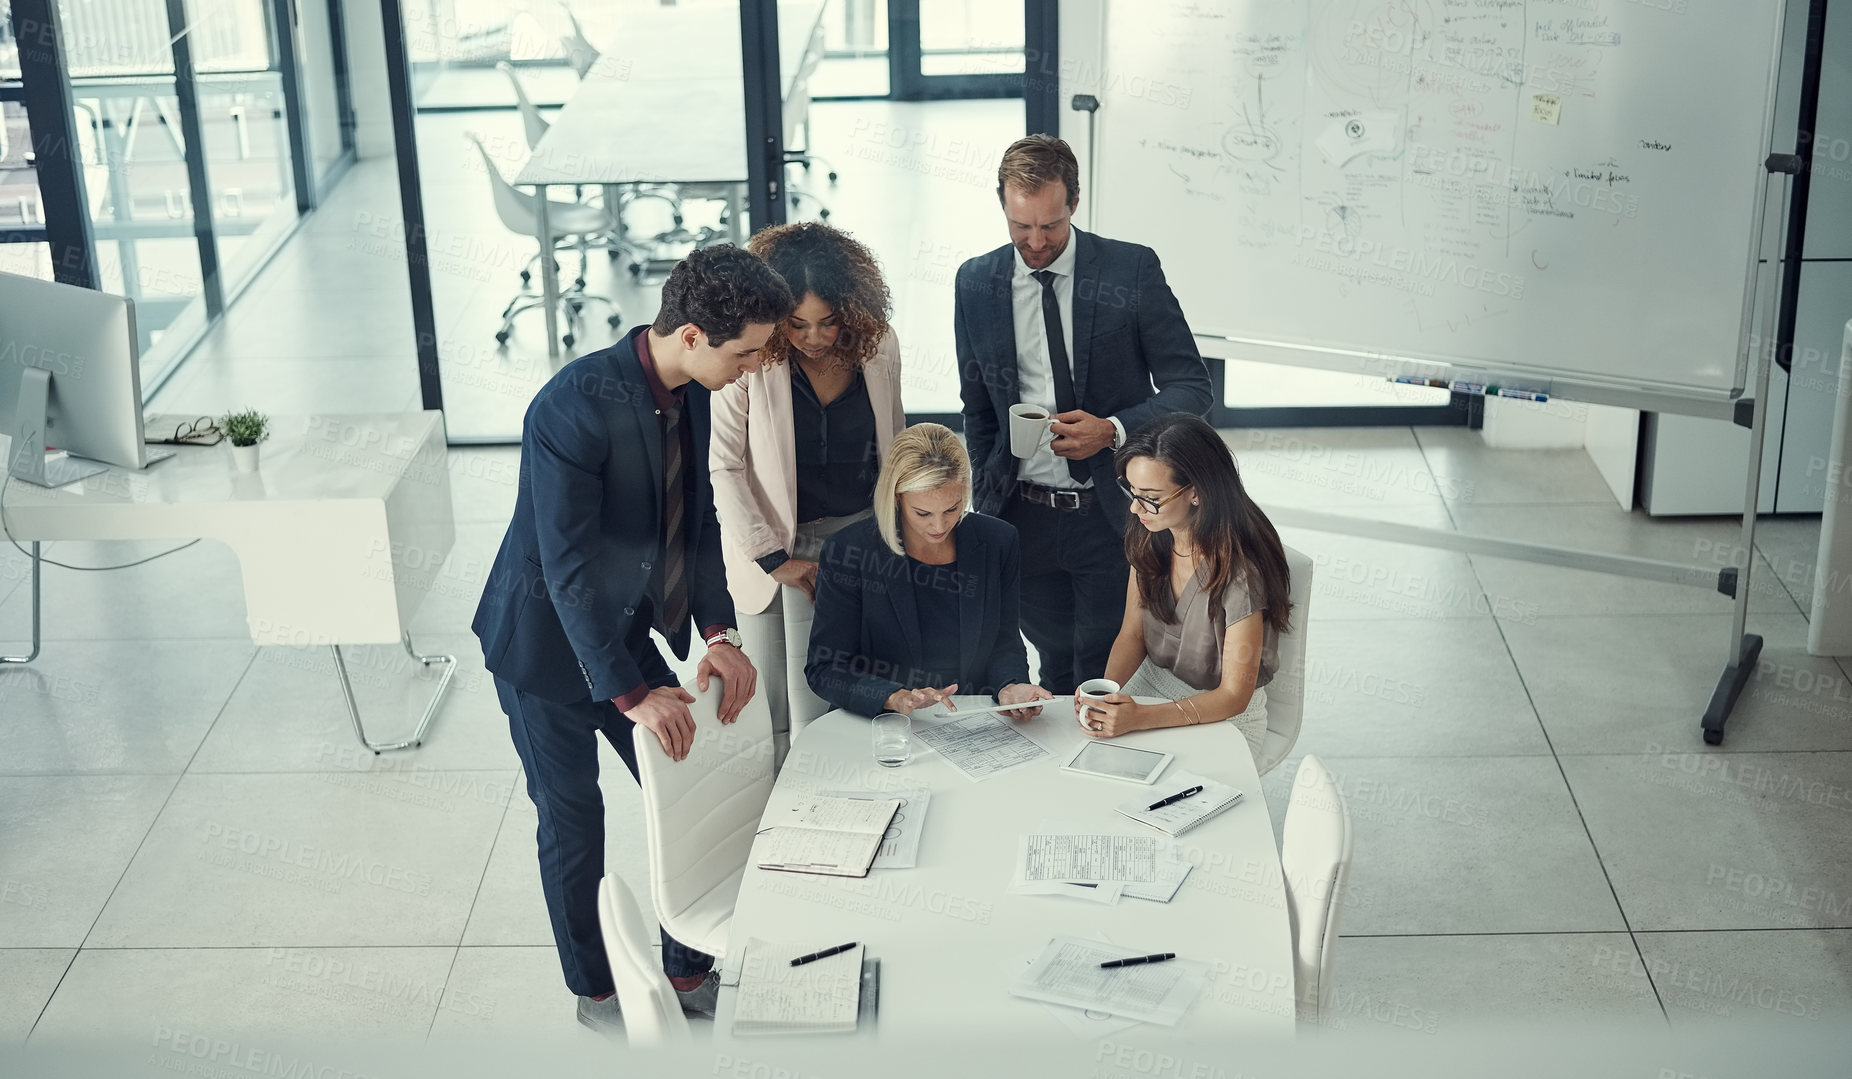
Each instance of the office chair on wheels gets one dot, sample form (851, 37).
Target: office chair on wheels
(570, 224)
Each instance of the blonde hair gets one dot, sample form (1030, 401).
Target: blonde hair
(1033, 160)
(923, 457)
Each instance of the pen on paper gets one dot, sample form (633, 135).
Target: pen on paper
(1177, 797)
(1137, 960)
(824, 954)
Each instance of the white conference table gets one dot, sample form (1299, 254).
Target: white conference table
(339, 534)
(663, 104)
(949, 935)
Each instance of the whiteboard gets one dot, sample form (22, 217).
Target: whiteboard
(1557, 195)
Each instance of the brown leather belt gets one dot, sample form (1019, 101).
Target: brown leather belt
(1061, 498)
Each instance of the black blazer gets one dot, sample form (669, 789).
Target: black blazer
(865, 639)
(567, 609)
(1129, 334)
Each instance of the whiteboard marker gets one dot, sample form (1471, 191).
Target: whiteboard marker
(1467, 387)
(1521, 395)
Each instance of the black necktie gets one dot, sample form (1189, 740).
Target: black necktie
(674, 543)
(1057, 358)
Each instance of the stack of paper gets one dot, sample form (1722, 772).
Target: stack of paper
(1179, 817)
(1068, 973)
(838, 837)
(1100, 867)
(982, 746)
(820, 997)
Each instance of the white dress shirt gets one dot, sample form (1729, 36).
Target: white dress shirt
(1035, 371)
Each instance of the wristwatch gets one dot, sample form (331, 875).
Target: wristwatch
(726, 636)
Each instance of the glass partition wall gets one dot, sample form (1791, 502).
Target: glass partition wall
(192, 158)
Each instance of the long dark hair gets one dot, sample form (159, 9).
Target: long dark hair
(1232, 535)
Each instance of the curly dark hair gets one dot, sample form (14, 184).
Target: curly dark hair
(722, 289)
(813, 257)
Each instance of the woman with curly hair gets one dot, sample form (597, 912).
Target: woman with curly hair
(797, 446)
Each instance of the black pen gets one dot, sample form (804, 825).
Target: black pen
(1177, 797)
(824, 954)
(1138, 959)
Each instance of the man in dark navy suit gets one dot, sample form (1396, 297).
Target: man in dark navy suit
(614, 535)
(1087, 330)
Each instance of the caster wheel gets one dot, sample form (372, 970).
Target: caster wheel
(832, 177)
(578, 282)
(636, 271)
(501, 338)
(614, 321)
(568, 340)
(526, 277)
(1713, 738)
(824, 214)
(611, 254)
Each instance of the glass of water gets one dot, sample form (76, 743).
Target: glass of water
(893, 733)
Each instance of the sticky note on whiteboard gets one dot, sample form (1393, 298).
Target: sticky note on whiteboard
(1546, 108)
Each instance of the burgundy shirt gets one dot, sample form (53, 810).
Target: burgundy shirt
(666, 399)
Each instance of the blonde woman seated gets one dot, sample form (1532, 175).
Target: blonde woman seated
(1207, 595)
(920, 602)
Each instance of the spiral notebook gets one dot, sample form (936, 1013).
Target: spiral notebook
(837, 837)
(820, 997)
(1179, 817)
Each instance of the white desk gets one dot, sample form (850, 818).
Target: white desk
(946, 931)
(665, 103)
(339, 533)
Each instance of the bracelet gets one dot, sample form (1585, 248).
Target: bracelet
(1199, 716)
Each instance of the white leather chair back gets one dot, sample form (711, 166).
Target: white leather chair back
(652, 1012)
(1315, 862)
(700, 815)
(1286, 693)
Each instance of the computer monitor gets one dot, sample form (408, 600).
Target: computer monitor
(70, 379)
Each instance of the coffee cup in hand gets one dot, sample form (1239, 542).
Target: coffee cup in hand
(1032, 430)
(1095, 689)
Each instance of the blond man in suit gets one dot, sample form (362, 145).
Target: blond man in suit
(797, 447)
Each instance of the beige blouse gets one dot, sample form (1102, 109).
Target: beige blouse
(1191, 647)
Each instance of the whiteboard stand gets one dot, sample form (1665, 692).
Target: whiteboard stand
(1732, 581)
(1746, 647)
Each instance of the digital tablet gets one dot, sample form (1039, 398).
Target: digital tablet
(1117, 762)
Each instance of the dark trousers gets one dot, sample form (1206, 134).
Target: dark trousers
(1073, 588)
(558, 744)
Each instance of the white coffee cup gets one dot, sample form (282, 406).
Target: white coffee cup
(1097, 689)
(1032, 429)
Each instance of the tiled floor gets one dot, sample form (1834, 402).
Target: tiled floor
(189, 836)
(193, 838)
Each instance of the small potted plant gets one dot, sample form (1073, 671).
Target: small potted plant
(244, 430)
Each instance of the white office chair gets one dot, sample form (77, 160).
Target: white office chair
(580, 52)
(700, 815)
(574, 224)
(652, 1012)
(533, 125)
(1315, 862)
(1286, 693)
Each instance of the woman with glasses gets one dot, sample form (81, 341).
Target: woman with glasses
(796, 448)
(1207, 595)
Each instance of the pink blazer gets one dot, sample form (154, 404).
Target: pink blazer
(754, 465)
